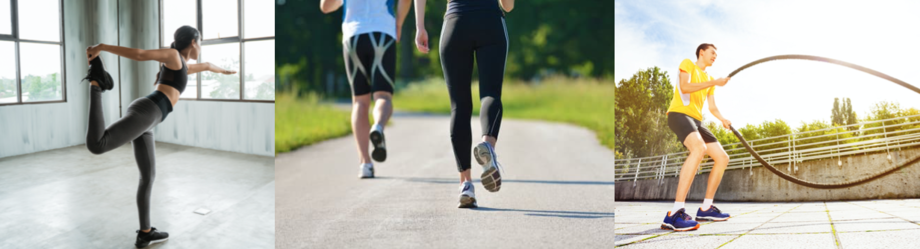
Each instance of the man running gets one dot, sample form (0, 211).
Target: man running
(369, 31)
(685, 119)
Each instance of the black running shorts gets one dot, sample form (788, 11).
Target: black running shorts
(683, 125)
(370, 62)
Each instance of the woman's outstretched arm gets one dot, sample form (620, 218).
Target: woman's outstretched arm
(207, 66)
(166, 55)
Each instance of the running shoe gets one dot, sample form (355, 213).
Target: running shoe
(152, 237)
(367, 170)
(97, 72)
(713, 214)
(679, 221)
(491, 175)
(380, 150)
(467, 195)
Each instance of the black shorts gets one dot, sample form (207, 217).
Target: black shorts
(683, 125)
(370, 62)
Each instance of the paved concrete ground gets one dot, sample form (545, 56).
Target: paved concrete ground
(557, 191)
(70, 198)
(845, 224)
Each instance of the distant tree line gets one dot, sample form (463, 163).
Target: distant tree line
(547, 37)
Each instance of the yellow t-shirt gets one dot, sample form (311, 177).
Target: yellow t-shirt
(691, 103)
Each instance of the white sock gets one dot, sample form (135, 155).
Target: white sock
(379, 127)
(706, 204)
(677, 206)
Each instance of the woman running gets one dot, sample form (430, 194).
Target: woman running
(144, 113)
(369, 31)
(472, 27)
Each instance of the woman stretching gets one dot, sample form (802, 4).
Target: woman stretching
(144, 113)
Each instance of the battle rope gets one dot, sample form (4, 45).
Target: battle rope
(813, 184)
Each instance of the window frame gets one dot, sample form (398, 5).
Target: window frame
(225, 40)
(14, 37)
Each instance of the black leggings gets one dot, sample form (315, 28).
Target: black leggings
(483, 34)
(135, 127)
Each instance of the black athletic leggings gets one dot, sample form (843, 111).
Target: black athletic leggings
(135, 127)
(465, 34)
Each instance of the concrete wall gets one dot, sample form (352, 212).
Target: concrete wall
(231, 126)
(740, 185)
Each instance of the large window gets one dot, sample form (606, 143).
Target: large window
(31, 52)
(237, 35)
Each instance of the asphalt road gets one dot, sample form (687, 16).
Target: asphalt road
(557, 191)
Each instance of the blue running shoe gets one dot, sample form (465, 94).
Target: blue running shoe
(679, 222)
(713, 214)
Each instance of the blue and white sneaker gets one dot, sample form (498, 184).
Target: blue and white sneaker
(679, 221)
(713, 214)
(367, 171)
(491, 175)
(467, 195)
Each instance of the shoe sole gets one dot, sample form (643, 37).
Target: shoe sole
(380, 153)
(491, 178)
(107, 83)
(467, 202)
(151, 243)
(666, 226)
(711, 219)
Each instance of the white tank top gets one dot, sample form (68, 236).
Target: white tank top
(365, 16)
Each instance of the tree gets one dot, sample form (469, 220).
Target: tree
(641, 124)
(767, 129)
(724, 136)
(836, 114)
(850, 116)
(881, 111)
(227, 86)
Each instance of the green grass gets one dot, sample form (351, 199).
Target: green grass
(306, 120)
(588, 103)
(583, 102)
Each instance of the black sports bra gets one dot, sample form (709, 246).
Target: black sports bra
(174, 78)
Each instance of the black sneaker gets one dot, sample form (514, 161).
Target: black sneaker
(380, 149)
(154, 236)
(97, 72)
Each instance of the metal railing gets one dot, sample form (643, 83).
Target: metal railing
(867, 137)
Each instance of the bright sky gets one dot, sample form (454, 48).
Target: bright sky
(37, 17)
(39, 59)
(259, 17)
(7, 60)
(6, 27)
(221, 55)
(177, 13)
(880, 35)
(220, 18)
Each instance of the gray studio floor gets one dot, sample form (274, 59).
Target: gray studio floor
(70, 198)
